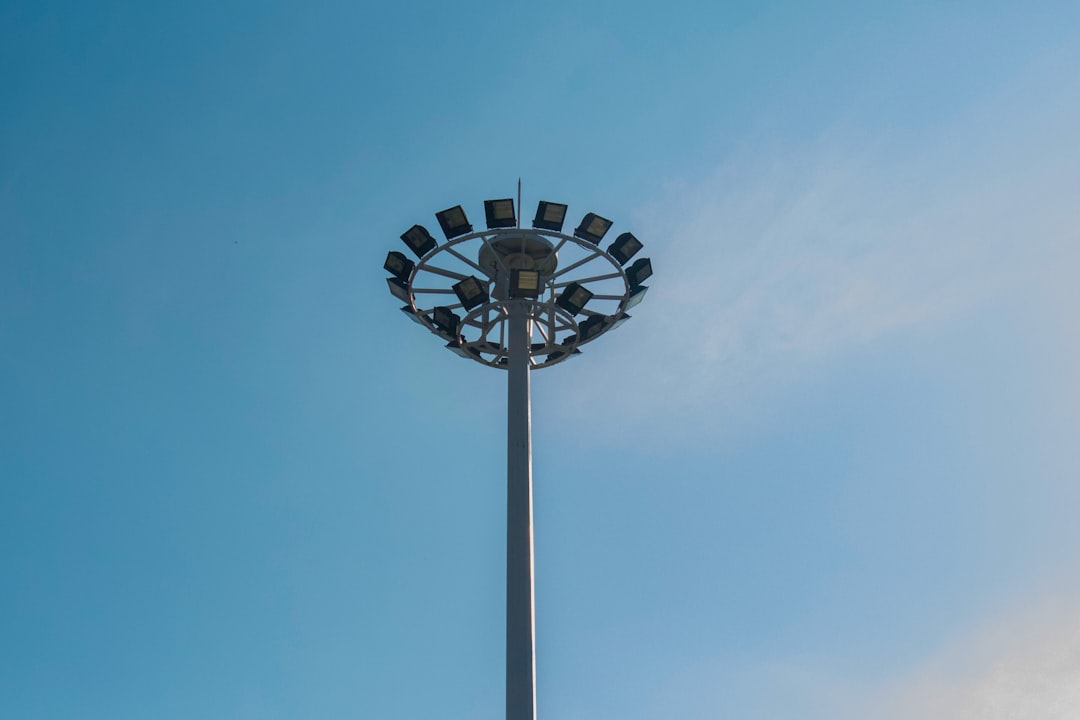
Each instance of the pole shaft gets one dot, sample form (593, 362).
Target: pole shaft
(520, 623)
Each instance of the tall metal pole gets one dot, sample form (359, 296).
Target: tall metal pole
(520, 622)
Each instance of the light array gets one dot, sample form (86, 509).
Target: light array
(490, 291)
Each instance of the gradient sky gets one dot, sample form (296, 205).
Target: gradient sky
(831, 469)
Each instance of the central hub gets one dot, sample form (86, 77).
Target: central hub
(519, 252)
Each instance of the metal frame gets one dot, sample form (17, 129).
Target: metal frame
(483, 334)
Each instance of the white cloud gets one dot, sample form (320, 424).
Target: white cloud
(776, 264)
(1025, 667)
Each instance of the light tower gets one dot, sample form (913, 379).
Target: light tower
(518, 299)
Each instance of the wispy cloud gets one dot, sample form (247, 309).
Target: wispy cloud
(1024, 667)
(781, 261)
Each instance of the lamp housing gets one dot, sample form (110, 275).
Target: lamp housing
(636, 296)
(419, 240)
(446, 320)
(591, 327)
(550, 216)
(500, 213)
(399, 289)
(573, 298)
(639, 272)
(592, 228)
(398, 265)
(453, 222)
(624, 247)
(407, 309)
(471, 292)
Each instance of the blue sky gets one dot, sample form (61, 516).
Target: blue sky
(829, 470)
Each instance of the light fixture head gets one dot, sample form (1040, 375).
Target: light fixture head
(399, 289)
(624, 247)
(412, 315)
(592, 228)
(446, 320)
(617, 321)
(636, 296)
(524, 283)
(591, 327)
(471, 292)
(398, 265)
(500, 213)
(550, 216)
(419, 240)
(639, 272)
(453, 222)
(559, 353)
(455, 347)
(573, 298)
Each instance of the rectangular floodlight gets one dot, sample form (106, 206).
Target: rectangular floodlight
(398, 265)
(639, 272)
(573, 298)
(419, 240)
(524, 283)
(624, 247)
(399, 289)
(550, 216)
(446, 320)
(500, 213)
(592, 228)
(471, 292)
(636, 296)
(453, 222)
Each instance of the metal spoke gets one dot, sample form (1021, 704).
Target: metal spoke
(594, 278)
(445, 273)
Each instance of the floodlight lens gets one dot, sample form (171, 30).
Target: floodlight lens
(528, 280)
(455, 216)
(598, 226)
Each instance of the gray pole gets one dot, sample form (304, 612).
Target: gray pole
(520, 625)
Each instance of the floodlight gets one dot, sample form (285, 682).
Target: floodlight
(524, 283)
(559, 353)
(399, 289)
(398, 265)
(639, 272)
(412, 315)
(550, 216)
(573, 298)
(615, 322)
(624, 247)
(453, 222)
(455, 347)
(592, 228)
(471, 292)
(445, 319)
(500, 213)
(636, 296)
(419, 240)
(593, 326)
